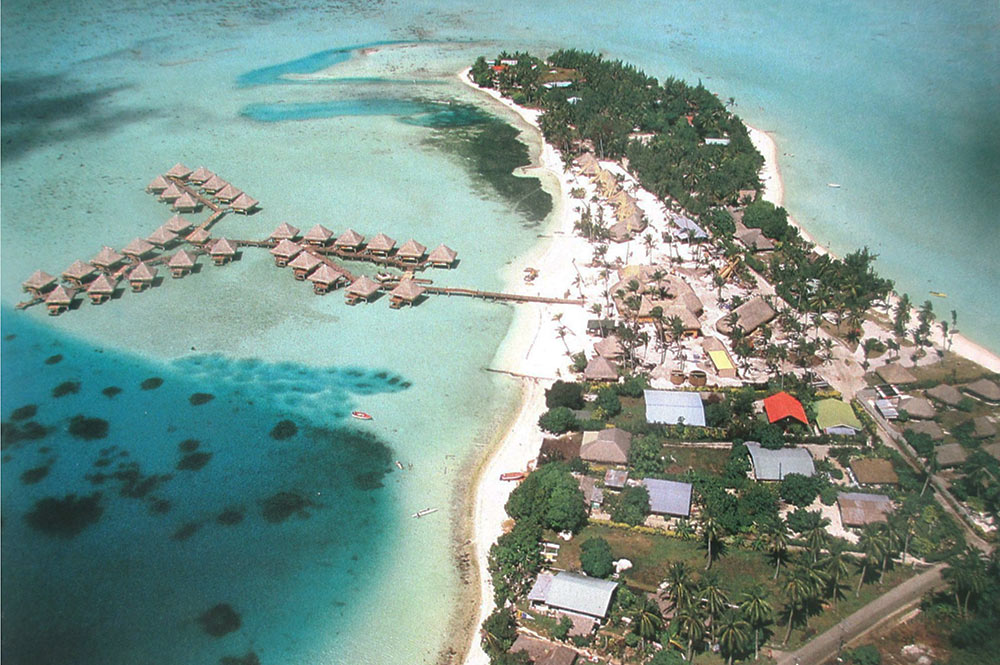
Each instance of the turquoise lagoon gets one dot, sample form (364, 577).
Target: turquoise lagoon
(381, 137)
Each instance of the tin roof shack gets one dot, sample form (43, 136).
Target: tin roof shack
(668, 497)
(672, 407)
(776, 464)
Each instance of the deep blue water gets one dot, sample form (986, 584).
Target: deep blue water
(115, 544)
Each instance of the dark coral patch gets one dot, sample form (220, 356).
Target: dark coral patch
(151, 383)
(368, 481)
(249, 659)
(230, 516)
(11, 434)
(54, 360)
(197, 399)
(185, 531)
(279, 507)
(66, 388)
(24, 412)
(97, 478)
(65, 517)
(89, 429)
(220, 620)
(194, 461)
(159, 506)
(188, 445)
(111, 391)
(102, 462)
(285, 429)
(34, 475)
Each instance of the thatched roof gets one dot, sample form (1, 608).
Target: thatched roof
(222, 247)
(286, 249)
(607, 446)
(103, 284)
(349, 238)
(161, 236)
(305, 261)
(363, 286)
(751, 315)
(171, 193)
(186, 202)
(754, 239)
(985, 389)
(142, 273)
(895, 373)
(181, 260)
(198, 236)
(106, 257)
(318, 233)
(177, 224)
(858, 509)
(407, 290)
(214, 184)
(78, 270)
(442, 254)
(178, 170)
(588, 163)
(606, 182)
(601, 369)
(951, 454)
(201, 174)
(325, 275)
(984, 428)
(228, 193)
(60, 295)
(874, 471)
(919, 407)
(285, 231)
(381, 243)
(945, 394)
(609, 347)
(138, 247)
(244, 202)
(928, 427)
(411, 249)
(157, 184)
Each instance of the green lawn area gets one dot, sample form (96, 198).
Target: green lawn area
(951, 369)
(681, 458)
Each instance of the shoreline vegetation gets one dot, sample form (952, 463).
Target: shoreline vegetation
(537, 348)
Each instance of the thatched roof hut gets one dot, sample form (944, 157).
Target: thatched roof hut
(178, 170)
(874, 471)
(161, 237)
(222, 251)
(141, 277)
(78, 272)
(198, 237)
(171, 193)
(755, 240)
(318, 235)
(228, 193)
(137, 249)
(213, 184)
(324, 278)
(181, 264)
(945, 394)
(38, 282)
(928, 427)
(984, 429)
(600, 369)
(363, 288)
(442, 257)
(588, 164)
(349, 240)
(951, 454)
(895, 373)
(919, 407)
(107, 258)
(405, 293)
(59, 299)
(750, 315)
(607, 184)
(187, 203)
(200, 175)
(284, 251)
(983, 389)
(101, 289)
(157, 184)
(381, 245)
(411, 251)
(285, 231)
(609, 347)
(244, 204)
(303, 264)
(177, 224)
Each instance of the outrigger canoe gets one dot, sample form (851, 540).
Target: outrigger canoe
(513, 475)
(425, 511)
(361, 415)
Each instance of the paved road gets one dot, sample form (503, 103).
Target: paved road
(825, 645)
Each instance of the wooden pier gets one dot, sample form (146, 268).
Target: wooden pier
(497, 296)
(212, 205)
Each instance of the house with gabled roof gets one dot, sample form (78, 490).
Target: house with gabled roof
(668, 497)
(674, 407)
(781, 407)
(606, 446)
(776, 464)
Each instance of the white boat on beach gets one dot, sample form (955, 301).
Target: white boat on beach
(833, 185)
(425, 511)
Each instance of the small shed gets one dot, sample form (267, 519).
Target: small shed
(835, 416)
(222, 252)
(600, 369)
(363, 288)
(101, 289)
(946, 394)
(592, 494)
(616, 478)
(181, 264)
(673, 407)
(381, 245)
(951, 454)
(187, 203)
(895, 373)
(137, 249)
(228, 193)
(244, 204)
(285, 231)
(107, 258)
(411, 252)
(141, 277)
(874, 471)
(776, 464)
(668, 497)
(606, 446)
(303, 264)
(317, 236)
(59, 299)
(325, 279)
(179, 171)
(781, 406)
(39, 282)
(406, 293)
(213, 184)
(349, 241)
(858, 509)
(442, 257)
(284, 252)
(78, 273)
(887, 408)
(984, 389)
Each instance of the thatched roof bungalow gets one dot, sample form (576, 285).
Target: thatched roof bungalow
(200, 175)
(181, 264)
(101, 289)
(187, 203)
(411, 252)
(606, 446)
(141, 277)
(244, 204)
(171, 193)
(284, 252)
(285, 231)
(589, 165)
(137, 249)
(600, 369)
(59, 300)
(213, 184)
(363, 288)
(222, 252)
(749, 316)
(107, 258)
(349, 241)
(381, 245)
(198, 237)
(177, 224)
(78, 273)
(161, 237)
(228, 193)
(755, 240)
(858, 509)
(895, 373)
(610, 347)
(945, 394)
(325, 279)
(179, 171)
(984, 389)
(157, 184)
(874, 471)
(303, 264)
(406, 293)
(317, 236)
(442, 257)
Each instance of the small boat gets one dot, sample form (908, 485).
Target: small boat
(361, 415)
(399, 465)
(833, 185)
(939, 294)
(513, 475)
(425, 511)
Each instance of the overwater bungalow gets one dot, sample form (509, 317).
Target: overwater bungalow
(180, 171)
(303, 264)
(285, 231)
(411, 252)
(244, 204)
(177, 224)
(59, 300)
(200, 175)
(181, 264)
(228, 193)
(161, 237)
(213, 184)
(325, 279)
(101, 289)
(381, 245)
(78, 273)
(363, 288)
(39, 282)
(284, 252)
(442, 257)
(222, 252)
(107, 258)
(141, 277)
(171, 193)
(349, 241)
(198, 237)
(157, 184)
(317, 236)
(406, 293)
(187, 203)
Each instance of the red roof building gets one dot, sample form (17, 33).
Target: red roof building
(782, 405)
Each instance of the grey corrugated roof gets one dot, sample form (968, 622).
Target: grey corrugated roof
(669, 406)
(540, 589)
(776, 464)
(615, 478)
(581, 594)
(668, 497)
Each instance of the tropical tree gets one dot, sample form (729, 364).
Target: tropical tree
(835, 569)
(967, 575)
(757, 611)
(712, 534)
(498, 633)
(799, 589)
(874, 545)
(646, 619)
(816, 537)
(690, 626)
(776, 541)
(734, 634)
(680, 585)
(715, 598)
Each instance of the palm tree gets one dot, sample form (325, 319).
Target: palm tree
(681, 585)
(562, 331)
(799, 588)
(647, 241)
(874, 546)
(776, 541)
(757, 611)
(692, 627)
(711, 532)
(646, 619)
(834, 568)
(967, 573)
(816, 537)
(715, 599)
(733, 635)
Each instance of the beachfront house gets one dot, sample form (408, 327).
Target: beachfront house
(583, 599)
(858, 509)
(606, 446)
(674, 407)
(600, 368)
(668, 497)
(772, 465)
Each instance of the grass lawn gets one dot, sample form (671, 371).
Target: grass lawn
(951, 369)
(680, 458)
